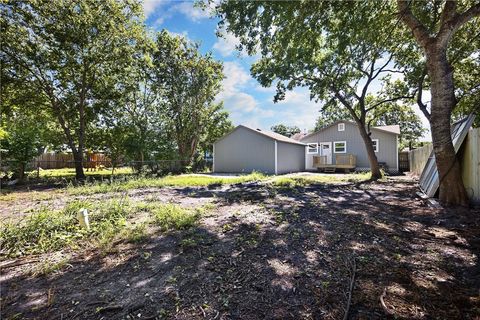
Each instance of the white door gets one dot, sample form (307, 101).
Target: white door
(326, 150)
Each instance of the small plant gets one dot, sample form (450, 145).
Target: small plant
(174, 217)
(48, 267)
(136, 234)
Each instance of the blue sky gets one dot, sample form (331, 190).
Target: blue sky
(248, 102)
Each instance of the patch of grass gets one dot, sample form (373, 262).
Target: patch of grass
(186, 180)
(48, 267)
(294, 182)
(174, 217)
(48, 230)
(136, 233)
(70, 172)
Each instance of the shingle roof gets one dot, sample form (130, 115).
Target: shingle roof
(274, 135)
(393, 129)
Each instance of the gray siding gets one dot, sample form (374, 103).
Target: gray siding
(387, 144)
(291, 157)
(243, 150)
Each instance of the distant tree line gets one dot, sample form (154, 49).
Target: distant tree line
(88, 75)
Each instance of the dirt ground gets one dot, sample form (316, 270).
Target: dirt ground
(371, 250)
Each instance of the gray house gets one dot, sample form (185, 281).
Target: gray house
(337, 146)
(343, 138)
(246, 149)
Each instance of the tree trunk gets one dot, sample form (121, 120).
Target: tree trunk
(372, 157)
(452, 190)
(78, 158)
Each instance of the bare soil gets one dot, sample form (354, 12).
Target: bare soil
(372, 250)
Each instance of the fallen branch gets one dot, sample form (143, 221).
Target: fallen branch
(350, 290)
(16, 263)
(382, 302)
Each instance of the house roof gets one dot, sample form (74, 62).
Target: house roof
(394, 129)
(298, 136)
(270, 134)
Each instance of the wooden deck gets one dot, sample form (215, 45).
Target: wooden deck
(342, 161)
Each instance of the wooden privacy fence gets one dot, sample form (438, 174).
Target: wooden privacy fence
(469, 156)
(65, 160)
(417, 158)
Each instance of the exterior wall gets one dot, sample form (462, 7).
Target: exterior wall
(387, 142)
(291, 157)
(244, 151)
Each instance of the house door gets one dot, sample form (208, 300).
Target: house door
(326, 150)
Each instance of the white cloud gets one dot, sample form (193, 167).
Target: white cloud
(226, 45)
(150, 6)
(236, 77)
(191, 12)
(240, 101)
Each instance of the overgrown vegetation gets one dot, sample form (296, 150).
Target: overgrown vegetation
(302, 181)
(50, 230)
(173, 181)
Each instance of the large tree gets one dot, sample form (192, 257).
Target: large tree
(287, 131)
(70, 51)
(325, 46)
(188, 83)
(434, 25)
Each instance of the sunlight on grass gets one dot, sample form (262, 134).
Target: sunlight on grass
(171, 216)
(302, 181)
(186, 180)
(70, 172)
(49, 230)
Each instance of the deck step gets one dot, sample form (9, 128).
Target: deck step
(329, 170)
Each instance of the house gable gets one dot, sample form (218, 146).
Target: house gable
(387, 143)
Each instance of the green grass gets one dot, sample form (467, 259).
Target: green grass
(50, 230)
(70, 172)
(171, 216)
(302, 181)
(186, 180)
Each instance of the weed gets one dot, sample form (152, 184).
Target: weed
(136, 234)
(171, 216)
(49, 230)
(47, 267)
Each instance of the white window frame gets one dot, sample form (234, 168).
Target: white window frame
(341, 127)
(376, 146)
(308, 148)
(335, 146)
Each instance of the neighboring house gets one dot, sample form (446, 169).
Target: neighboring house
(246, 149)
(343, 137)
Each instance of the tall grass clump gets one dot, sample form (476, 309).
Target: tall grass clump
(171, 216)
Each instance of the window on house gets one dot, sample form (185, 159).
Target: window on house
(341, 127)
(375, 144)
(312, 148)
(340, 146)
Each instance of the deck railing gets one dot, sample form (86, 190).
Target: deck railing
(341, 160)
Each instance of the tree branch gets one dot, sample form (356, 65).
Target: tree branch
(421, 105)
(388, 100)
(460, 19)
(419, 30)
